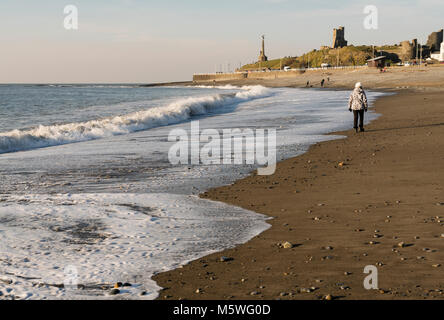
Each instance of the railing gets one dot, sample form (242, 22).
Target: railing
(278, 70)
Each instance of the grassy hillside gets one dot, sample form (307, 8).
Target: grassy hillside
(347, 56)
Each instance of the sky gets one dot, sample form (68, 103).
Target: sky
(145, 41)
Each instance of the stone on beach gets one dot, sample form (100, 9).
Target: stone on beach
(287, 245)
(225, 259)
(113, 292)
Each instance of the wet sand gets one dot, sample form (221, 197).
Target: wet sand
(374, 198)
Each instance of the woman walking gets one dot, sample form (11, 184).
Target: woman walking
(358, 104)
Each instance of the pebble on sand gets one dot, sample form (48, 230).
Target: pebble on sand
(287, 245)
(114, 292)
(225, 259)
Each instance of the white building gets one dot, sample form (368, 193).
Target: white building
(439, 56)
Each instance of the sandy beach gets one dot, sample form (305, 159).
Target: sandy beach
(373, 198)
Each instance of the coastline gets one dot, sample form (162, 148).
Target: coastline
(332, 214)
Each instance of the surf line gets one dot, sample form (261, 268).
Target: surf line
(226, 146)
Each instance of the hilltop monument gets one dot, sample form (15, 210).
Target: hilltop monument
(339, 38)
(262, 56)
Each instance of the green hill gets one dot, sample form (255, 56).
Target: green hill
(347, 56)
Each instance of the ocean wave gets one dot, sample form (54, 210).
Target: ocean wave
(224, 87)
(88, 86)
(175, 112)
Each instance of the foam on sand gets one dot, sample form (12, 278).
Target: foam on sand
(109, 238)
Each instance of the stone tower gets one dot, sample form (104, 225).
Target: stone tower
(408, 50)
(262, 56)
(338, 38)
(435, 40)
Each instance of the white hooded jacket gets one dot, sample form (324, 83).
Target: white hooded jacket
(358, 100)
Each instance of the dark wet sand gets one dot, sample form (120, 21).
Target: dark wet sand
(388, 191)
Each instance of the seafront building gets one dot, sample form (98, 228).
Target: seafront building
(439, 55)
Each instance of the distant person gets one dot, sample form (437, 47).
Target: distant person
(308, 84)
(358, 104)
(322, 82)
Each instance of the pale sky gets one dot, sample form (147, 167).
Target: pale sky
(145, 41)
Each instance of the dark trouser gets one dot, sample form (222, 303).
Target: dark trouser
(360, 114)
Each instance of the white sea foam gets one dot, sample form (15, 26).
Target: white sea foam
(177, 111)
(41, 234)
(224, 87)
(109, 238)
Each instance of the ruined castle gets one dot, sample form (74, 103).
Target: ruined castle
(434, 41)
(339, 38)
(408, 50)
(414, 50)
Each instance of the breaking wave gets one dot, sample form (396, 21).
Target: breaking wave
(177, 111)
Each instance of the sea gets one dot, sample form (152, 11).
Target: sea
(89, 196)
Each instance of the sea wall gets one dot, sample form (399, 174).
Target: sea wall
(255, 75)
(219, 77)
(244, 75)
